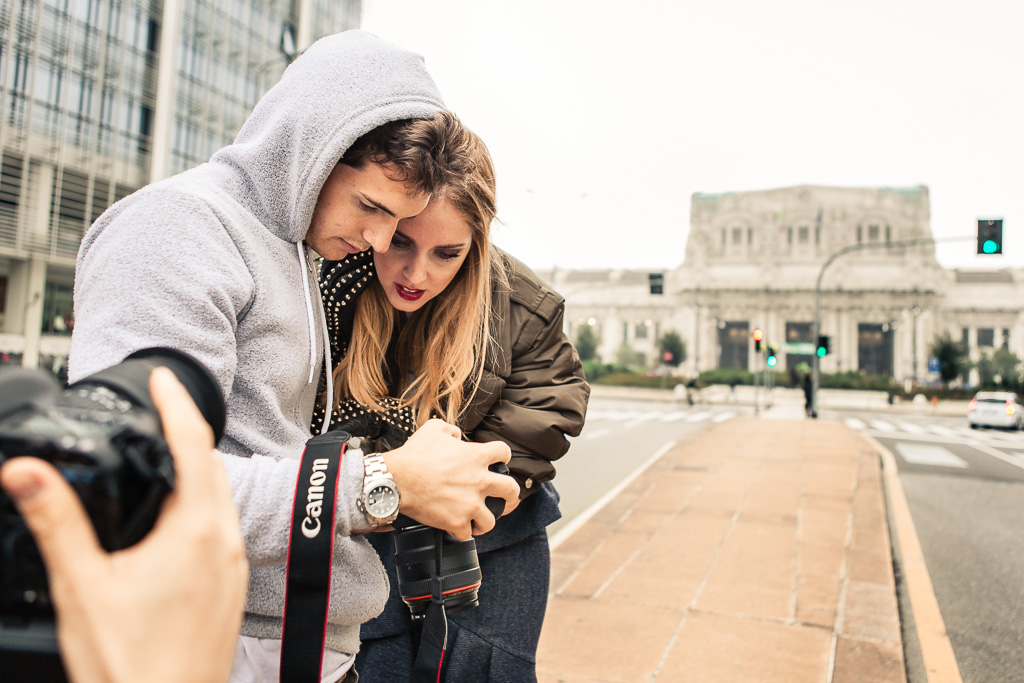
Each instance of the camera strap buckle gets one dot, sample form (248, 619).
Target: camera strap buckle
(310, 553)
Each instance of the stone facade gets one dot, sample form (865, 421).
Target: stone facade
(753, 261)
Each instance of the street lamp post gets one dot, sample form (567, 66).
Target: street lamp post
(815, 373)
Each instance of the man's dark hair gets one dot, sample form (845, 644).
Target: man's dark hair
(426, 154)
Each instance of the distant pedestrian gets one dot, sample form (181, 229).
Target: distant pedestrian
(732, 389)
(808, 386)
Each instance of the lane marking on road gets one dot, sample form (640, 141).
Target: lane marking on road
(854, 423)
(936, 651)
(924, 454)
(912, 428)
(1014, 460)
(584, 517)
(640, 419)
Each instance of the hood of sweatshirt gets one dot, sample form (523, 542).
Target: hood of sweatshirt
(340, 88)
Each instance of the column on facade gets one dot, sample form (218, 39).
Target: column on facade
(166, 91)
(611, 337)
(26, 289)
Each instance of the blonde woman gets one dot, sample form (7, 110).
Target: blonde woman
(446, 325)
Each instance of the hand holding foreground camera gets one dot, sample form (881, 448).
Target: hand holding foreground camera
(166, 609)
(444, 480)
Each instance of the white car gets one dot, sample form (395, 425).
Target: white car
(996, 409)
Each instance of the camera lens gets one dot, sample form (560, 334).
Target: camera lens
(427, 556)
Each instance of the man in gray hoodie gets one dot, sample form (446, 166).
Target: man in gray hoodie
(219, 262)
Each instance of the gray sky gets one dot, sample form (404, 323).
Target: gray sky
(605, 117)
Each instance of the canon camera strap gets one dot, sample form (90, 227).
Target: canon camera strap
(310, 549)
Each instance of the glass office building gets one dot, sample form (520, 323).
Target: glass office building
(100, 97)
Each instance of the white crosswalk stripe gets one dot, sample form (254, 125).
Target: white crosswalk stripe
(911, 428)
(854, 423)
(882, 426)
(722, 417)
(640, 419)
(698, 416)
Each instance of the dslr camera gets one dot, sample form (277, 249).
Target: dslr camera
(104, 436)
(431, 565)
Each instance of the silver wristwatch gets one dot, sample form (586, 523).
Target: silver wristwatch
(380, 496)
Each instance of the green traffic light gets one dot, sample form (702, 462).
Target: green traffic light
(821, 352)
(989, 247)
(771, 361)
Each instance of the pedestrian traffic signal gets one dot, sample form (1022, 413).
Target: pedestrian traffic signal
(990, 236)
(772, 360)
(758, 336)
(823, 345)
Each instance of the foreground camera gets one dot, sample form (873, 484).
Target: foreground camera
(104, 436)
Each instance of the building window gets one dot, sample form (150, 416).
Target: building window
(798, 332)
(860, 234)
(750, 235)
(734, 343)
(986, 337)
(872, 233)
(640, 331)
(57, 309)
(804, 234)
(1006, 338)
(874, 349)
(966, 338)
(737, 235)
(888, 233)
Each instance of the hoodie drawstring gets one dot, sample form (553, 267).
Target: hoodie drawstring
(311, 318)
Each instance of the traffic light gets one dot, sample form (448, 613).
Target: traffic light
(771, 360)
(990, 236)
(823, 345)
(758, 336)
(657, 282)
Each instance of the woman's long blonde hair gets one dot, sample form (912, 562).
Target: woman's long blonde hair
(441, 347)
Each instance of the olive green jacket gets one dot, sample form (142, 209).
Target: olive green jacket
(533, 392)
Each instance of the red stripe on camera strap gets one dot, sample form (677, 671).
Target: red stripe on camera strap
(310, 552)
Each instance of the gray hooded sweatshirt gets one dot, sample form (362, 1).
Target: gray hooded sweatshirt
(212, 262)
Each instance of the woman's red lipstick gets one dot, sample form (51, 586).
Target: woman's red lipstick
(408, 294)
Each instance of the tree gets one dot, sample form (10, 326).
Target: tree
(986, 370)
(674, 344)
(586, 342)
(627, 357)
(1006, 364)
(952, 357)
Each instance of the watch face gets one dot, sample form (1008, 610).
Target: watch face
(382, 501)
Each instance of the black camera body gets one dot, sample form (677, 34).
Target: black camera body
(104, 436)
(431, 565)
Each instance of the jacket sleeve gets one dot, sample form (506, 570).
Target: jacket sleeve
(545, 395)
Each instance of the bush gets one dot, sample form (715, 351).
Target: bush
(595, 369)
(633, 379)
(725, 375)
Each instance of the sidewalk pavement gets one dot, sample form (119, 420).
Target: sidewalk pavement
(756, 550)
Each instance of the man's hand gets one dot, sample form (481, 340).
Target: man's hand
(444, 480)
(167, 609)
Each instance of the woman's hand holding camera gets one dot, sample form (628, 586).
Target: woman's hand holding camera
(444, 480)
